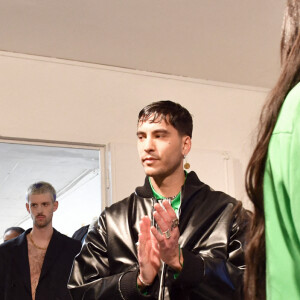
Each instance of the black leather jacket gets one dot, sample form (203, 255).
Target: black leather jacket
(212, 232)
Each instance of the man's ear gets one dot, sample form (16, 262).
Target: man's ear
(27, 207)
(55, 205)
(186, 145)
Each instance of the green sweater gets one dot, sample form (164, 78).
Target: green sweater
(282, 203)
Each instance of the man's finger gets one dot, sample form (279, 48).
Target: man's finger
(162, 224)
(163, 213)
(170, 210)
(157, 235)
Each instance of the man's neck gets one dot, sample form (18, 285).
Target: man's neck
(42, 234)
(168, 186)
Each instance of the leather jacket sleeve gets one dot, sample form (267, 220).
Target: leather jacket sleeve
(91, 277)
(215, 269)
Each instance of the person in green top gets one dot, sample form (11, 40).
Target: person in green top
(273, 180)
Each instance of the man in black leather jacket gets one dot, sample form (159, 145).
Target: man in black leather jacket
(174, 238)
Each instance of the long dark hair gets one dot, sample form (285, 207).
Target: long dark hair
(255, 285)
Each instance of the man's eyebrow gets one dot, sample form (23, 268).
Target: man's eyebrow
(139, 132)
(160, 131)
(154, 131)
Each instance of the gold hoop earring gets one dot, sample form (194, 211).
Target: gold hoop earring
(186, 164)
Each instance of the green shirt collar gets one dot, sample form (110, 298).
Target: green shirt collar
(175, 202)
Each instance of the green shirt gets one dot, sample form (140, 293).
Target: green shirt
(282, 203)
(175, 202)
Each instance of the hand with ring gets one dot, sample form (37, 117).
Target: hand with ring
(167, 240)
(167, 234)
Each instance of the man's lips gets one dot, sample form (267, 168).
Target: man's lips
(149, 159)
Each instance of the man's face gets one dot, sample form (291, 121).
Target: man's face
(41, 208)
(161, 148)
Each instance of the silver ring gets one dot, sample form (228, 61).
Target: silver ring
(167, 234)
(175, 224)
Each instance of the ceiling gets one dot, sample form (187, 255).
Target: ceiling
(230, 41)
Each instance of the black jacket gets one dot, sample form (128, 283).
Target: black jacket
(15, 272)
(212, 231)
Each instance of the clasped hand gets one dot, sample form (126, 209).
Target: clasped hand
(156, 246)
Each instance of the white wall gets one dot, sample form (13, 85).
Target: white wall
(60, 100)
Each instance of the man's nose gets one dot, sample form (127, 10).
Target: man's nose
(39, 209)
(148, 144)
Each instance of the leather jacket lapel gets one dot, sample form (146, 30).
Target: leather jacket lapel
(20, 257)
(52, 252)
